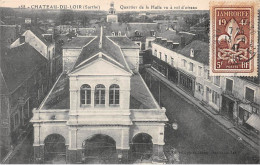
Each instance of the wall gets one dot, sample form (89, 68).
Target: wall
(132, 58)
(69, 58)
(201, 79)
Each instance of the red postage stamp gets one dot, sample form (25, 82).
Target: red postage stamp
(233, 44)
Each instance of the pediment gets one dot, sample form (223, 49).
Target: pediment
(100, 67)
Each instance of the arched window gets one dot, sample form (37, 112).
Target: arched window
(100, 94)
(85, 94)
(114, 94)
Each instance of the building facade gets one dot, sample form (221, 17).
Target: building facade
(112, 16)
(43, 43)
(236, 98)
(100, 102)
(24, 83)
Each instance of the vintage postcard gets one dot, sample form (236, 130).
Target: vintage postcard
(234, 38)
(129, 82)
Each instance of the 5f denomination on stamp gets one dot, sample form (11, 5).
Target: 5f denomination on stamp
(233, 43)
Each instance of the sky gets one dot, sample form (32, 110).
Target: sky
(119, 4)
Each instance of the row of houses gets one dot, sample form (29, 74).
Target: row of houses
(187, 65)
(29, 66)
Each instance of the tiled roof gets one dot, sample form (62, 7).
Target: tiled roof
(201, 51)
(130, 28)
(77, 42)
(3, 85)
(59, 96)
(39, 33)
(124, 42)
(8, 34)
(86, 31)
(19, 63)
(170, 35)
(144, 28)
(108, 48)
(173, 36)
(140, 97)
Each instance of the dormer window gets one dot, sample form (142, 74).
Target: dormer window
(137, 33)
(85, 94)
(119, 33)
(152, 33)
(114, 94)
(100, 94)
(113, 33)
(191, 52)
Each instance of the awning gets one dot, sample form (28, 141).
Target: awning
(254, 121)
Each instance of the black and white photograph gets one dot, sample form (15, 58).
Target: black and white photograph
(126, 82)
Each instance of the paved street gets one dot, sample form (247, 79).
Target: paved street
(25, 152)
(198, 139)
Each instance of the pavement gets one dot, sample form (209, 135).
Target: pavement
(15, 155)
(245, 137)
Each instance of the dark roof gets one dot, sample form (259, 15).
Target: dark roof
(140, 97)
(108, 48)
(201, 51)
(39, 33)
(3, 85)
(170, 35)
(177, 36)
(124, 42)
(77, 42)
(130, 28)
(144, 28)
(8, 34)
(19, 63)
(59, 96)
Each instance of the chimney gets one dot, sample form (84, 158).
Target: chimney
(158, 39)
(191, 52)
(169, 43)
(164, 41)
(22, 39)
(101, 36)
(175, 45)
(182, 43)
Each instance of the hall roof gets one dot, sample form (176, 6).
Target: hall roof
(108, 48)
(140, 96)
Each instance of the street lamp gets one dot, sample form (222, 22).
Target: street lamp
(172, 125)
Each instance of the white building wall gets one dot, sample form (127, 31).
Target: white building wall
(69, 57)
(34, 41)
(200, 77)
(132, 58)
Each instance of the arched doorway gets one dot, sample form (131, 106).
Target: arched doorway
(54, 149)
(141, 147)
(100, 149)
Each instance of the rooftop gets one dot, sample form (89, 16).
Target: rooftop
(201, 51)
(18, 64)
(124, 42)
(108, 48)
(59, 95)
(77, 42)
(140, 97)
(39, 33)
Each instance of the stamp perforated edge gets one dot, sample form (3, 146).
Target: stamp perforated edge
(228, 72)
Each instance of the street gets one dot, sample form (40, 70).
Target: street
(24, 154)
(198, 138)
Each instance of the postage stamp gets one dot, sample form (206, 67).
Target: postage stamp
(233, 39)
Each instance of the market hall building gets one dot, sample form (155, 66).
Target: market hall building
(99, 108)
